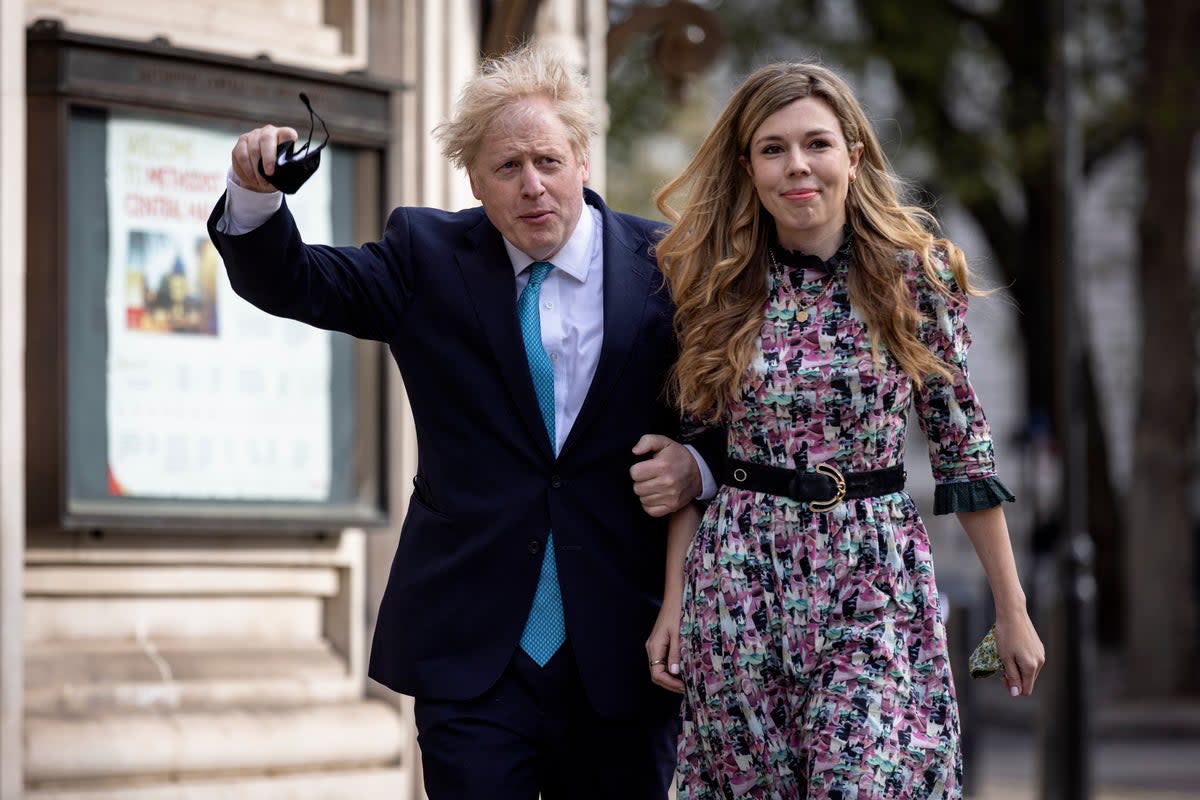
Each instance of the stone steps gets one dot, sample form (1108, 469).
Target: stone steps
(206, 718)
(376, 784)
(82, 677)
(69, 750)
(201, 671)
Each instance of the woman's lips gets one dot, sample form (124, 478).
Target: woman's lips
(800, 195)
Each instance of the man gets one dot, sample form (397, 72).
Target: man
(534, 337)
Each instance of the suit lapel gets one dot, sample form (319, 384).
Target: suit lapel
(626, 287)
(487, 273)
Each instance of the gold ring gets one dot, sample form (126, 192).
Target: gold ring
(658, 661)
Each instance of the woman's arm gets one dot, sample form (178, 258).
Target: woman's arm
(1020, 649)
(662, 648)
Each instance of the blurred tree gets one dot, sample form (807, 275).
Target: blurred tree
(960, 93)
(1161, 546)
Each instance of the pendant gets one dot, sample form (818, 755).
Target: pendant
(802, 316)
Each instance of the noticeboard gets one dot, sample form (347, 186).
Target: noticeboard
(158, 398)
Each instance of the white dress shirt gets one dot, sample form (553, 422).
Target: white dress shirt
(571, 310)
(571, 303)
(245, 210)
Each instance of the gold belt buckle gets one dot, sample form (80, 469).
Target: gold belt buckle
(839, 486)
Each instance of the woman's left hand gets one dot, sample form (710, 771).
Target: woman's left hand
(1021, 652)
(1017, 643)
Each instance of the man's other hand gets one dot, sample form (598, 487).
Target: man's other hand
(667, 481)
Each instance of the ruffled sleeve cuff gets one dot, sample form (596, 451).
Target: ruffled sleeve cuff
(970, 495)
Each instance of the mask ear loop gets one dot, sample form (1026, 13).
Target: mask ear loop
(312, 126)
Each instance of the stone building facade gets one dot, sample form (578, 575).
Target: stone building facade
(143, 664)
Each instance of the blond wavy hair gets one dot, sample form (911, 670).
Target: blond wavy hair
(714, 256)
(488, 100)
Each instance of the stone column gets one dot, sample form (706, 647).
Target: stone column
(432, 48)
(12, 392)
(579, 30)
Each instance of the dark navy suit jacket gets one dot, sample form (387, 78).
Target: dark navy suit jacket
(438, 288)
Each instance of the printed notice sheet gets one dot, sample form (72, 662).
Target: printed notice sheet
(208, 397)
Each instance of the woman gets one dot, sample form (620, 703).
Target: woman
(813, 310)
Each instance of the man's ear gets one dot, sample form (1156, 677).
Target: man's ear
(474, 188)
(585, 167)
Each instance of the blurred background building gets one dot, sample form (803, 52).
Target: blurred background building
(202, 653)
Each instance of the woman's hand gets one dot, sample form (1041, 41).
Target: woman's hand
(662, 648)
(1017, 643)
(1020, 651)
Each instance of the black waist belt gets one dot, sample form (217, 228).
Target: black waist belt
(823, 488)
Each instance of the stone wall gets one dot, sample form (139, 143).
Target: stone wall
(326, 35)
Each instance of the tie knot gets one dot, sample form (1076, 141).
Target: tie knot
(538, 271)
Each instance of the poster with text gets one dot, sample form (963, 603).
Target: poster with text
(208, 397)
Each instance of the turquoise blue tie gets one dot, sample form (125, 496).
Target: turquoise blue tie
(546, 628)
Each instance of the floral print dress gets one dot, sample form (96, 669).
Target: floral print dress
(814, 657)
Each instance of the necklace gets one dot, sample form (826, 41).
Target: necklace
(802, 311)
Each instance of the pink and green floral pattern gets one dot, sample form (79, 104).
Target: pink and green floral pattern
(814, 657)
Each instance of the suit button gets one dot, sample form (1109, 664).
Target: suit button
(556, 481)
(535, 547)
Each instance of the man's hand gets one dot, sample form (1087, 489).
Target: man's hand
(667, 481)
(259, 143)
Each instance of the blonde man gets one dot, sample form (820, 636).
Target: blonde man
(534, 337)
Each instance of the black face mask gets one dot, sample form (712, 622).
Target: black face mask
(293, 167)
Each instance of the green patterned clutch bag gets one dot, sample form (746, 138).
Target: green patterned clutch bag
(985, 660)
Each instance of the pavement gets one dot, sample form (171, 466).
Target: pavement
(1140, 750)
(1009, 765)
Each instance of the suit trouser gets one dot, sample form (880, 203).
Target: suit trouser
(535, 732)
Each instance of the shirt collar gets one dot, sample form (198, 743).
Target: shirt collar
(574, 258)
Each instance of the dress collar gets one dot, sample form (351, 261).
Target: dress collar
(797, 260)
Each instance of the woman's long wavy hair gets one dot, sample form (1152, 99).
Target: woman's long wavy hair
(715, 254)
